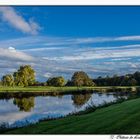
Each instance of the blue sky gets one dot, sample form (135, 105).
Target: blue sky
(60, 40)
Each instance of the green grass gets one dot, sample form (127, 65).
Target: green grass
(56, 89)
(123, 118)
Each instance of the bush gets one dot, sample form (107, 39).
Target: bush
(56, 81)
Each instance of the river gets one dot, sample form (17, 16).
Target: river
(17, 112)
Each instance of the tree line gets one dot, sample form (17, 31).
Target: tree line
(26, 76)
(125, 80)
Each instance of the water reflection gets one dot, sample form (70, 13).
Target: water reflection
(60, 96)
(80, 99)
(18, 111)
(24, 104)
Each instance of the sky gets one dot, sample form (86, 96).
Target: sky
(59, 40)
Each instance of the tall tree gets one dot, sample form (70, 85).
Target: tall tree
(25, 76)
(80, 78)
(7, 80)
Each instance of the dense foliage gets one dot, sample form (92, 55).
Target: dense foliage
(7, 80)
(56, 81)
(126, 80)
(80, 78)
(25, 76)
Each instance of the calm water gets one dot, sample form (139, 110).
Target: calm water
(23, 111)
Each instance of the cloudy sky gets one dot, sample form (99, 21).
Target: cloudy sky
(61, 40)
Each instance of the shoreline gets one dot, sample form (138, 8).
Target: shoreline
(18, 92)
(65, 89)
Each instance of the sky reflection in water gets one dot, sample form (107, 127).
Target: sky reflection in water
(22, 111)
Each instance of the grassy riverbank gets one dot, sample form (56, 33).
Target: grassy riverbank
(122, 118)
(61, 89)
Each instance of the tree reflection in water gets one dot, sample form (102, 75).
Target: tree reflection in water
(80, 99)
(24, 104)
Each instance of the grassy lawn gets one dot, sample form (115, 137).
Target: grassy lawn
(53, 89)
(123, 118)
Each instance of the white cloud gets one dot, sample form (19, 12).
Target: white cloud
(105, 39)
(69, 57)
(16, 20)
(47, 75)
(89, 40)
(13, 54)
(94, 53)
(126, 38)
(43, 49)
(56, 43)
(120, 59)
(23, 41)
(12, 49)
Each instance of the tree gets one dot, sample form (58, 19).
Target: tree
(56, 81)
(25, 76)
(126, 80)
(132, 82)
(80, 78)
(7, 80)
(137, 77)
